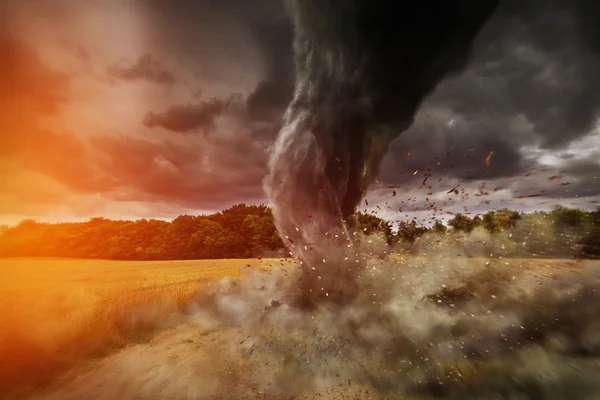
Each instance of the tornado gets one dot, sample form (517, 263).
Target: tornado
(363, 68)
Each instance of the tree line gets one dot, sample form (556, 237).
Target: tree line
(241, 231)
(560, 232)
(245, 231)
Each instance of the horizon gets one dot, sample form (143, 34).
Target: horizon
(427, 222)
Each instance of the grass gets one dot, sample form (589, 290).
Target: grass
(58, 312)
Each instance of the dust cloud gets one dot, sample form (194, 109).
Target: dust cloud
(447, 326)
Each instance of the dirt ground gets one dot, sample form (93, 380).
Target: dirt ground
(204, 359)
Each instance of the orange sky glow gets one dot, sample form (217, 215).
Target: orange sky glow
(73, 145)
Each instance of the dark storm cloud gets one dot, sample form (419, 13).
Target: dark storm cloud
(532, 80)
(146, 68)
(190, 118)
(459, 150)
(242, 127)
(268, 100)
(271, 96)
(259, 24)
(211, 175)
(211, 39)
(550, 64)
(577, 177)
(208, 174)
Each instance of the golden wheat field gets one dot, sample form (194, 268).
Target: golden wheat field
(57, 312)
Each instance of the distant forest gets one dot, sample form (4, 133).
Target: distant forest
(245, 231)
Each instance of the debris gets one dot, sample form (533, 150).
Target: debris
(528, 195)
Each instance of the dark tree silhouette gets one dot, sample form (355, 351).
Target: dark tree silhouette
(244, 231)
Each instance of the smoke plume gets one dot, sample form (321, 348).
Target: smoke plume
(363, 68)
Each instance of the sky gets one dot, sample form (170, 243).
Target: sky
(152, 109)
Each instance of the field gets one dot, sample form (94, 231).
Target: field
(58, 312)
(124, 329)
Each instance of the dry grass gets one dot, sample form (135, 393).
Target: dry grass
(57, 312)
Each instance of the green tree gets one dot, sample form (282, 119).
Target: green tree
(507, 219)
(369, 224)
(591, 242)
(409, 232)
(492, 222)
(569, 217)
(439, 227)
(461, 223)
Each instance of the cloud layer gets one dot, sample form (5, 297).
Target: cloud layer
(123, 119)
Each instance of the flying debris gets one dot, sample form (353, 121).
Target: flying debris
(488, 159)
(454, 189)
(529, 195)
(481, 191)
